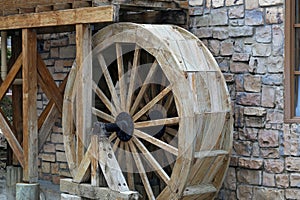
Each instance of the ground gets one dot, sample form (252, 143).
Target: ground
(49, 191)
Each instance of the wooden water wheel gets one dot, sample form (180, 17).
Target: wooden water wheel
(162, 102)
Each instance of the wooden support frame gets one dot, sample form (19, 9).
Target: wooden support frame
(89, 191)
(30, 125)
(48, 117)
(83, 47)
(58, 18)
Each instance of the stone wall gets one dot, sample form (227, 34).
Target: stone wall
(58, 52)
(247, 39)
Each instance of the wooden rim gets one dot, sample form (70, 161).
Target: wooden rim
(140, 70)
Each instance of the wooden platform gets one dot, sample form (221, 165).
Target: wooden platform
(8, 7)
(91, 192)
(20, 14)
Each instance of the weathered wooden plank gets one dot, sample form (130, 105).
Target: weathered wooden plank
(109, 82)
(68, 120)
(17, 115)
(199, 189)
(48, 123)
(30, 125)
(210, 153)
(48, 117)
(48, 84)
(158, 122)
(121, 75)
(145, 85)
(58, 18)
(103, 115)
(152, 161)
(129, 167)
(110, 167)
(156, 99)
(142, 171)
(83, 167)
(32, 3)
(84, 88)
(156, 142)
(133, 76)
(51, 103)
(94, 157)
(104, 99)
(11, 76)
(89, 191)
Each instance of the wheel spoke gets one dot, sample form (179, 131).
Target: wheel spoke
(169, 102)
(136, 58)
(171, 131)
(121, 76)
(170, 157)
(156, 142)
(158, 122)
(103, 115)
(116, 144)
(109, 81)
(129, 166)
(170, 140)
(153, 90)
(104, 99)
(144, 87)
(146, 96)
(142, 172)
(151, 160)
(121, 153)
(112, 137)
(152, 103)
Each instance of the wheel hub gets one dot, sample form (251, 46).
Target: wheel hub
(123, 127)
(125, 123)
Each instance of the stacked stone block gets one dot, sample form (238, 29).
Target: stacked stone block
(58, 52)
(247, 40)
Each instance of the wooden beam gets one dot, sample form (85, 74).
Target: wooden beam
(94, 156)
(30, 125)
(91, 192)
(110, 167)
(84, 95)
(48, 85)
(48, 117)
(11, 139)
(31, 3)
(58, 18)
(17, 115)
(11, 76)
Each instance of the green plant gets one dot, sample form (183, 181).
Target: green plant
(6, 106)
(8, 54)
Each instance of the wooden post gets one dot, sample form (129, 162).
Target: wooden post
(95, 170)
(84, 92)
(30, 125)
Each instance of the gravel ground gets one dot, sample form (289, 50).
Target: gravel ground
(48, 190)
